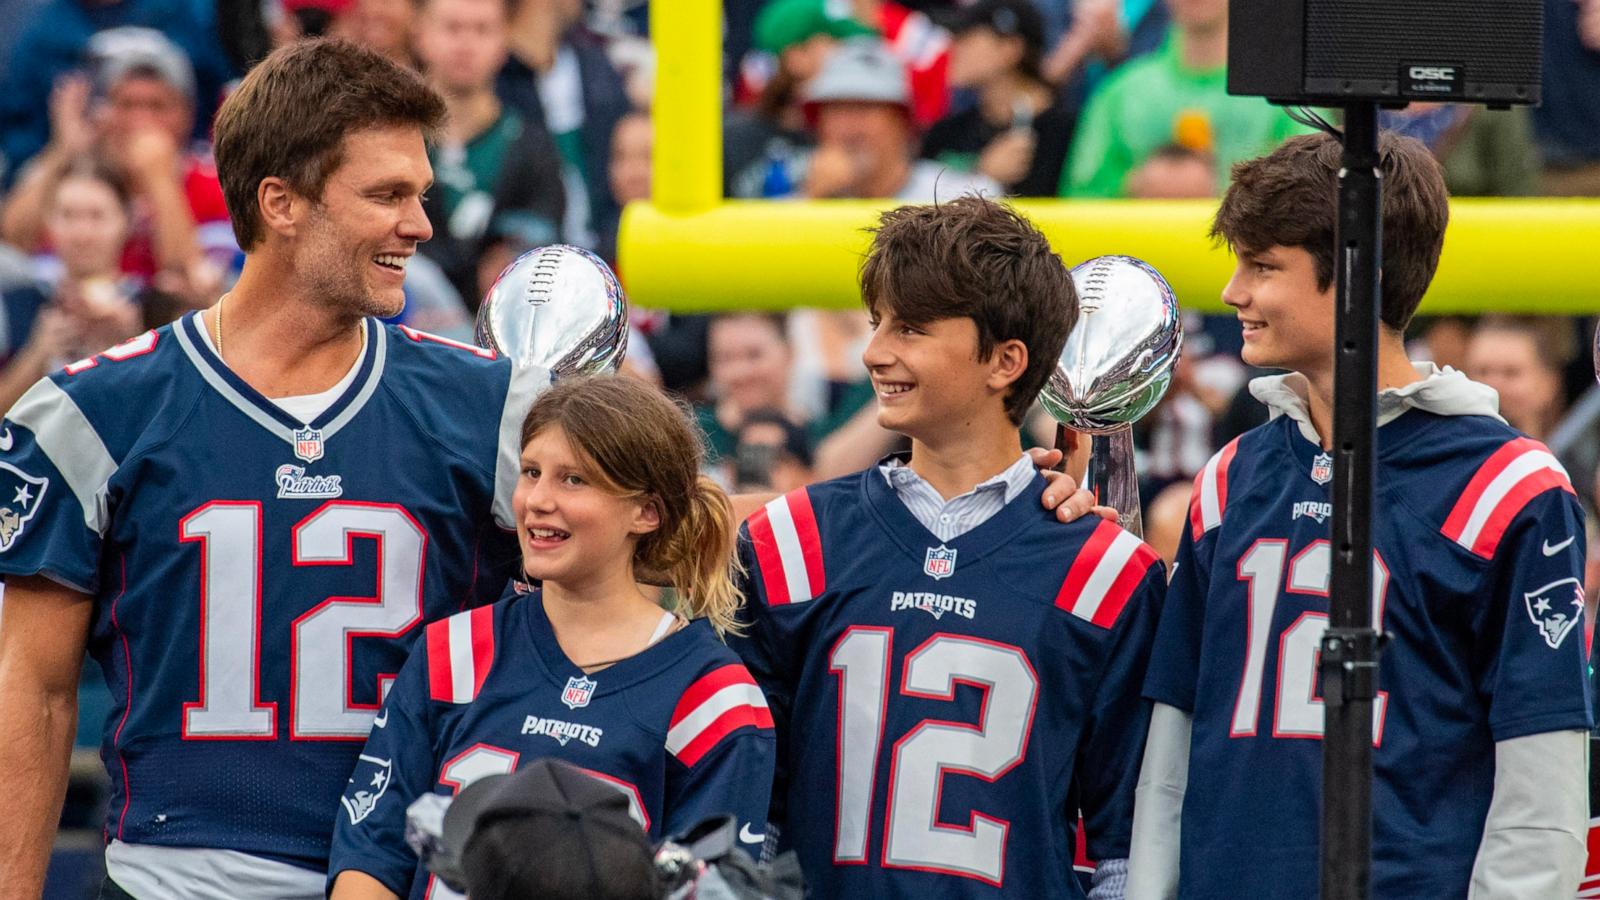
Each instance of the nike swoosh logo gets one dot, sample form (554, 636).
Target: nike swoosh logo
(749, 837)
(5, 440)
(380, 721)
(1552, 551)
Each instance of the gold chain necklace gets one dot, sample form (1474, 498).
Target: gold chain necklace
(217, 337)
(218, 317)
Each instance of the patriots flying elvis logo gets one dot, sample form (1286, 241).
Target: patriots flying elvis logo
(1555, 609)
(20, 496)
(367, 786)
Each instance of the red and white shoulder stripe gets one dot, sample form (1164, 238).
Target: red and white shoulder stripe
(1105, 574)
(1210, 496)
(460, 652)
(716, 705)
(1507, 481)
(788, 548)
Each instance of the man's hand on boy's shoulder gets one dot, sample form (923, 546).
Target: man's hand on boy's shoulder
(1062, 494)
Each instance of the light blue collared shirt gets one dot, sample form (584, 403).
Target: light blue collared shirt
(950, 519)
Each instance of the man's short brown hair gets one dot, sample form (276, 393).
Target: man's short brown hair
(1290, 198)
(289, 117)
(976, 259)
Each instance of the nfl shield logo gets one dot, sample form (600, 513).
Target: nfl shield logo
(308, 444)
(577, 692)
(940, 562)
(1322, 468)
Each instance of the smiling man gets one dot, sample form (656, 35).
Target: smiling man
(246, 517)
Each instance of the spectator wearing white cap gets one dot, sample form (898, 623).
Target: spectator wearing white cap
(51, 39)
(861, 104)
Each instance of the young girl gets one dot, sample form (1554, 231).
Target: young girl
(584, 667)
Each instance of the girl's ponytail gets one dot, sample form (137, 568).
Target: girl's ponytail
(699, 558)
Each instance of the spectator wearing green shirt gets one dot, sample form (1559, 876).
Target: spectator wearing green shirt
(1176, 95)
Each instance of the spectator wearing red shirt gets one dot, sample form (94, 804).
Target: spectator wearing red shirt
(136, 115)
(922, 46)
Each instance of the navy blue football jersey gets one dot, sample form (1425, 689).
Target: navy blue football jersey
(680, 728)
(945, 709)
(1477, 586)
(257, 581)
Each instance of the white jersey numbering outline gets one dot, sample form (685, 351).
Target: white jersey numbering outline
(913, 836)
(1298, 711)
(229, 534)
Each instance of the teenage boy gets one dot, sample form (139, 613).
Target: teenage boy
(1479, 728)
(953, 672)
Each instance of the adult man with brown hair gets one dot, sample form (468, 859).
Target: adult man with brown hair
(201, 509)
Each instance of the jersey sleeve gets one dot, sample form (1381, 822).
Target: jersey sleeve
(54, 476)
(526, 384)
(721, 749)
(395, 767)
(1533, 667)
(1175, 659)
(1113, 745)
(760, 644)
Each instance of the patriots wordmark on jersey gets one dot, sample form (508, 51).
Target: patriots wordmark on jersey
(680, 728)
(944, 708)
(257, 580)
(1475, 587)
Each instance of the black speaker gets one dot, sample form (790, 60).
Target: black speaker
(1386, 51)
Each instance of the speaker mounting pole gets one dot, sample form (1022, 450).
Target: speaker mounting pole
(1349, 664)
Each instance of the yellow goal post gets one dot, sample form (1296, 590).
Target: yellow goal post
(690, 250)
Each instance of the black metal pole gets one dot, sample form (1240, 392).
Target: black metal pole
(1350, 648)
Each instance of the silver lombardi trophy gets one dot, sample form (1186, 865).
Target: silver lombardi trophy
(1114, 369)
(557, 307)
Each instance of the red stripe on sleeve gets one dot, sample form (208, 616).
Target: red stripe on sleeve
(1456, 522)
(1222, 475)
(439, 661)
(1197, 525)
(1089, 556)
(734, 719)
(805, 526)
(708, 684)
(768, 557)
(482, 645)
(1494, 528)
(1122, 589)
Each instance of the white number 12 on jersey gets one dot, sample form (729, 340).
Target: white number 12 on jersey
(1297, 712)
(229, 533)
(913, 836)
